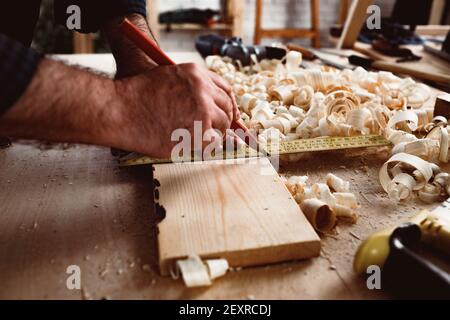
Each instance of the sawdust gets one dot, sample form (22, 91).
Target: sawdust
(365, 197)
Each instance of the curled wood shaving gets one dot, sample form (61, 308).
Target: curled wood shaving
(337, 184)
(303, 97)
(196, 273)
(346, 213)
(346, 199)
(320, 205)
(319, 214)
(413, 169)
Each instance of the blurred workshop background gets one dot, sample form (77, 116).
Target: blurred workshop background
(314, 18)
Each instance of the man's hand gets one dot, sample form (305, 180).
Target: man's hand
(137, 113)
(154, 104)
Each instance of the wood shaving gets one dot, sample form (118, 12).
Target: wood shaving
(319, 214)
(196, 273)
(320, 205)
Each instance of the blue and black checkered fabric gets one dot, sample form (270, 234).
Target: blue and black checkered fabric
(17, 66)
(18, 63)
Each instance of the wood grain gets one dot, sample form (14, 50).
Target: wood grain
(232, 210)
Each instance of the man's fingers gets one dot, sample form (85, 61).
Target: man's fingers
(222, 84)
(232, 141)
(212, 142)
(220, 120)
(223, 101)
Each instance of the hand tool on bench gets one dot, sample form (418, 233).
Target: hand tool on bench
(309, 54)
(371, 63)
(234, 48)
(404, 272)
(398, 68)
(161, 58)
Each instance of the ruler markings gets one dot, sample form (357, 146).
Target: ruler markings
(285, 147)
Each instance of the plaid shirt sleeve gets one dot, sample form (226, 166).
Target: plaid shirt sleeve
(95, 13)
(17, 67)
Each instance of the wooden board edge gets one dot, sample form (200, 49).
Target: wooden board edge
(255, 257)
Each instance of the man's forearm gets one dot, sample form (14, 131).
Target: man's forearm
(62, 103)
(130, 60)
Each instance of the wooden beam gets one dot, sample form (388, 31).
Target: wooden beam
(437, 11)
(315, 22)
(236, 9)
(343, 11)
(258, 27)
(353, 24)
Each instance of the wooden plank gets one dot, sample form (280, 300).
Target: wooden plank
(428, 63)
(230, 210)
(432, 30)
(355, 20)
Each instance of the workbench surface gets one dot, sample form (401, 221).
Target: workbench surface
(63, 205)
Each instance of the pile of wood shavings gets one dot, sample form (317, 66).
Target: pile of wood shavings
(324, 203)
(283, 102)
